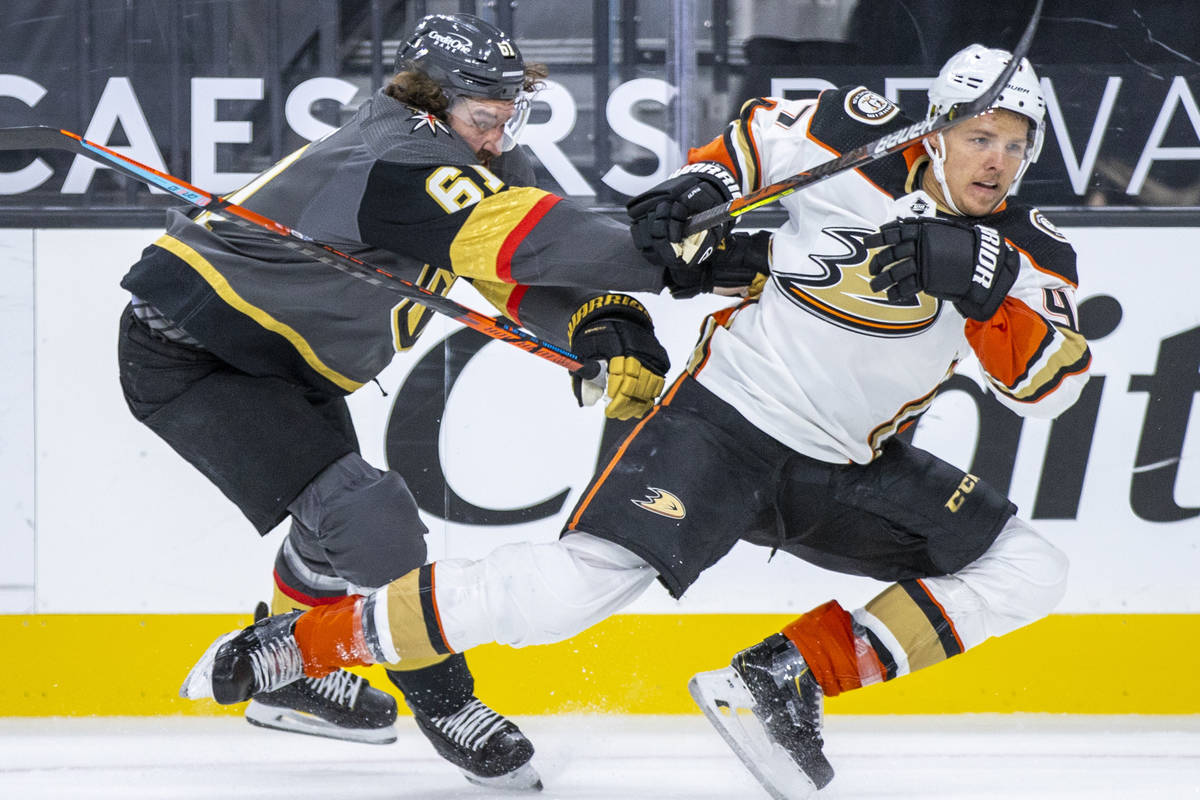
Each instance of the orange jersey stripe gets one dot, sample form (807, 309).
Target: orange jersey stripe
(714, 151)
(437, 614)
(583, 504)
(1040, 268)
(945, 616)
(1008, 342)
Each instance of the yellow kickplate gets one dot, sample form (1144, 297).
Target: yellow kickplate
(84, 665)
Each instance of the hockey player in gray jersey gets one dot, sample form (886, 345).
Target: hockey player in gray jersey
(238, 351)
(782, 431)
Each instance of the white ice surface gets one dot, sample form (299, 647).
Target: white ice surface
(603, 757)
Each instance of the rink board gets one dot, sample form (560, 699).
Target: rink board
(81, 665)
(121, 563)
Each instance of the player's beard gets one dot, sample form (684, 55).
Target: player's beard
(485, 158)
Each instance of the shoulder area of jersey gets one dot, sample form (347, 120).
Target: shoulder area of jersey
(1029, 230)
(865, 106)
(1021, 217)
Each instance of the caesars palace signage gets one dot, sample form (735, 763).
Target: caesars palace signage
(1098, 117)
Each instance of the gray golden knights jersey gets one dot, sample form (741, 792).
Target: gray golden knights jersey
(824, 364)
(394, 187)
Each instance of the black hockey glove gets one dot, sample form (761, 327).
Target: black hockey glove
(658, 217)
(742, 259)
(739, 260)
(972, 266)
(616, 328)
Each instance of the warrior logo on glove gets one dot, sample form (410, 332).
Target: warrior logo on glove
(616, 329)
(658, 217)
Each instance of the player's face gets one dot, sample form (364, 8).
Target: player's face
(982, 158)
(480, 123)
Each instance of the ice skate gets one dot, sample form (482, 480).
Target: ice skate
(768, 707)
(487, 748)
(341, 705)
(261, 658)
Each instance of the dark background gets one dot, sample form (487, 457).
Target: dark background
(72, 47)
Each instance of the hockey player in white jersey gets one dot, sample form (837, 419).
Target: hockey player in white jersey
(782, 430)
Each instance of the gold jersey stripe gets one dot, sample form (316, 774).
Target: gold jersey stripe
(227, 293)
(477, 247)
(239, 196)
(406, 621)
(498, 294)
(747, 152)
(1067, 358)
(908, 623)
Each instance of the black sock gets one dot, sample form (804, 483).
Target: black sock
(437, 690)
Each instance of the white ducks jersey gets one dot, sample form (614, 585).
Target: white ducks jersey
(824, 364)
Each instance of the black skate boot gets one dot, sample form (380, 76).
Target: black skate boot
(261, 658)
(768, 707)
(341, 705)
(487, 748)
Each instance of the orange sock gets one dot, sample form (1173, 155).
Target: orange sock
(331, 636)
(839, 660)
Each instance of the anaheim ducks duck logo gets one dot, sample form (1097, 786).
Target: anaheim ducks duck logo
(662, 502)
(838, 290)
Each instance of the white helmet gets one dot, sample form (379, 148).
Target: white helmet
(969, 73)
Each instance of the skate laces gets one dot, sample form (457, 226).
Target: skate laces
(276, 663)
(340, 687)
(472, 725)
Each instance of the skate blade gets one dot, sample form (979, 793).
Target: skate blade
(522, 779)
(292, 721)
(726, 702)
(198, 683)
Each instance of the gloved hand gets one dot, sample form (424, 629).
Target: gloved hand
(616, 328)
(970, 265)
(741, 259)
(658, 217)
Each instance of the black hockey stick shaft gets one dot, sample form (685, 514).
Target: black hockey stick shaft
(42, 137)
(865, 154)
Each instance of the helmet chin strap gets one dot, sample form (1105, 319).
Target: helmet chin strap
(937, 161)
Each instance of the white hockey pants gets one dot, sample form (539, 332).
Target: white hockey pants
(525, 594)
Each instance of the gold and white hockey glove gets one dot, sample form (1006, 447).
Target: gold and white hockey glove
(616, 328)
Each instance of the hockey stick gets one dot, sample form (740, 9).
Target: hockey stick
(865, 154)
(42, 137)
